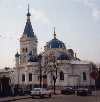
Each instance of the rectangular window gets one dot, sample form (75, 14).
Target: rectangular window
(30, 76)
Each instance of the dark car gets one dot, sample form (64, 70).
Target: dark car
(68, 90)
(84, 92)
(19, 91)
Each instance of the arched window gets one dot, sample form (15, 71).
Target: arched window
(30, 76)
(23, 77)
(84, 76)
(23, 50)
(61, 75)
(26, 49)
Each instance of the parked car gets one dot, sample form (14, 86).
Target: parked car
(84, 92)
(41, 92)
(18, 91)
(67, 90)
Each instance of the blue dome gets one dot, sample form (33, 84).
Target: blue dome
(17, 55)
(63, 56)
(55, 43)
(35, 59)
(30, 53)
(32, 58)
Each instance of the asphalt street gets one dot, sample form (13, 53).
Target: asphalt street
(54, 98)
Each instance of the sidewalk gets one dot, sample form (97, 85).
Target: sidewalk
(13, 98)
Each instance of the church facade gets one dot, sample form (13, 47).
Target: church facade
(56, 62)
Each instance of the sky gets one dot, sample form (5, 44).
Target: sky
(77, 24)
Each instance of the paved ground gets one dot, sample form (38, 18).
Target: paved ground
(54, 98)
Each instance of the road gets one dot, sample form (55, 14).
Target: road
(54, 98)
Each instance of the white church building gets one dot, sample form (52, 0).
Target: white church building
(55, 62)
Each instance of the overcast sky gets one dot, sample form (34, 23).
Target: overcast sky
(77, 24)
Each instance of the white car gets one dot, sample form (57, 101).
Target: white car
(41, 92)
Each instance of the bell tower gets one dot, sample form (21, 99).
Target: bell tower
(28, 41)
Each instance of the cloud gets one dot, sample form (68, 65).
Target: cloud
(40, 16)
(93, 4)
(96, 13)
(89, 3)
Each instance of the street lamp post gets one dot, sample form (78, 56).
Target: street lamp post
(40, 57)
(12, 82)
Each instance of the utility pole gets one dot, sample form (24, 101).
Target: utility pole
(40, 57)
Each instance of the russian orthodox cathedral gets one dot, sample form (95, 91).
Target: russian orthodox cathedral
(55, 63)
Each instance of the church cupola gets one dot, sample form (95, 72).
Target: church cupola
(17, 56)
(63, 56)
(28, 27)
(32, 58)
(55, 43)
